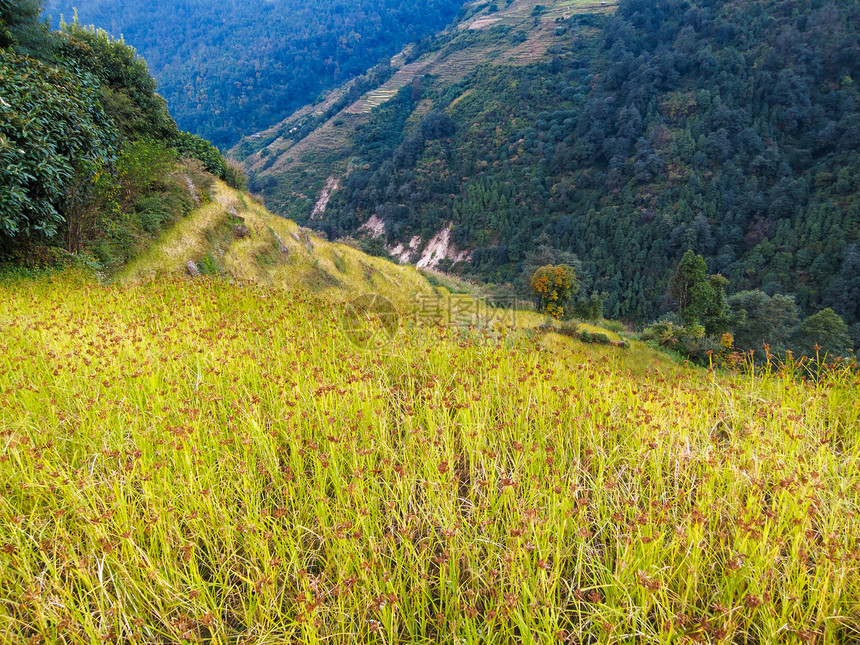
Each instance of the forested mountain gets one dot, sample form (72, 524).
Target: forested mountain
(232, 67)
(729, 128)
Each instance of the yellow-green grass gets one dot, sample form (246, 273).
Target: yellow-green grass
(532, 319)
(191, 461)
(273, 251)
(592, 328)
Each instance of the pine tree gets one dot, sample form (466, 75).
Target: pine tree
(701, 297)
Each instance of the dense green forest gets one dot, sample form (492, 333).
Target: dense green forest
(728, 128)
(232, 68)
(92, 165)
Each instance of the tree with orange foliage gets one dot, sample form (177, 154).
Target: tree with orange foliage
(553, 287)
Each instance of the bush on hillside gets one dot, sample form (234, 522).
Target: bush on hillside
(53, 134)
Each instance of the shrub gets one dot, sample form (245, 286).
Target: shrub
(823, 333)
(208, 265)
(614, 326)
(141, 165)
(690, 341)
(234, 175)
(665, 332)
(570, 329)
(192, 146)
(590, 308)
(53, 133)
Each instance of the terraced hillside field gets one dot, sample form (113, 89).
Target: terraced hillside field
(204, 461)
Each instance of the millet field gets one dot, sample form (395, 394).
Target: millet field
(205, 462)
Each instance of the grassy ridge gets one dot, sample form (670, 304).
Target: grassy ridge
(191, 461)
(269, 250)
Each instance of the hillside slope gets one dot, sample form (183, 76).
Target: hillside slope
(190, 461)
(294, 161)
(729, 128)
(235, 237)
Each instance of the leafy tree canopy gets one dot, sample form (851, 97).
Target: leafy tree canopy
(52, 129)
(20, 26)
(759, 319)
(129, 91)
(553, 287)
(823, 333)
(88, 149)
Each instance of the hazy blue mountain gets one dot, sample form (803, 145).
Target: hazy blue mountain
(232, 67)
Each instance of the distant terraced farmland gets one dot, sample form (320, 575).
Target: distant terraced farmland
(387, 90)
(453, 66)
(458, 64)
(522, 10)
(307, 164)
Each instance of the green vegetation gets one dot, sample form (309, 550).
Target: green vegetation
(726, 128)
(759, 320)
(553, 287)
(55, 143)
(700, 297)
(749, 322)
(824, 332)
(190, 461)
(90, 159)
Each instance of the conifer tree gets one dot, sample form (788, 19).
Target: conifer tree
(701, 297)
